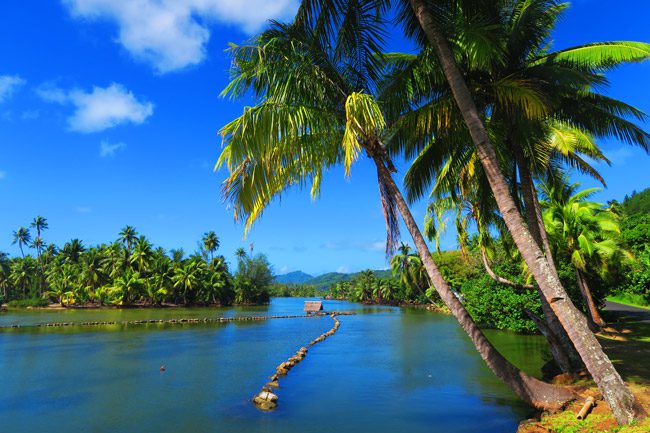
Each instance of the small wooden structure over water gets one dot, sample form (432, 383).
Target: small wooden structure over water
(313, 306)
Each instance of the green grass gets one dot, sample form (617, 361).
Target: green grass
(24, 303)
(631, 300)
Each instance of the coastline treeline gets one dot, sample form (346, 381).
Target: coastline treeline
(130, 271)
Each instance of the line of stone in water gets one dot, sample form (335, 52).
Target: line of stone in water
(164, 321)
(267, 399)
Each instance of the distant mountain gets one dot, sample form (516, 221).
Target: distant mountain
(297, 277)
(323, 282)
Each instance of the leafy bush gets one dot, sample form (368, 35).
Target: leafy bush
(497, 306)
(32, 302)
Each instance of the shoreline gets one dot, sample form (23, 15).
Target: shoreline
(59, 307)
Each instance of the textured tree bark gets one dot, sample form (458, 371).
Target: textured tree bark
(619, 397)
(537, 393)
(594, 315)
(559, 355)
(538, 232)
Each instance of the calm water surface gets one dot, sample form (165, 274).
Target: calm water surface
(386, 370)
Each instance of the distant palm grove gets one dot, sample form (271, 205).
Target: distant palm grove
(130, 271)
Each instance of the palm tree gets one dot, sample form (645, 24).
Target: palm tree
(128, 236)
(21, 237)
(616, 392)
(72, 251)
(240, 253)
(210, 243)
(130, 285)
(142, 255)
(40, 224)
(21, 274)
(62, 280)
(407, 266)
(585, 232)
(186, 278)
(314, 114)
(5, 269)
(177, 254)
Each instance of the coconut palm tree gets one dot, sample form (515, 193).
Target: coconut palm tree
(72, 251)
(211, 243)
(5, 269)
(142, 255)
(240, 253)
(407, 266)
(129, 285)
(585, 232)
(315, 113)
(128, 236)
(40, 224)
(426, 20)
(21, 273)
(21, 237)
(186, 278)
(177, 254)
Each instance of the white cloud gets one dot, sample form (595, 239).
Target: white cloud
(83, 209)
(343, 269)
(8, 85)
(101, 108)
(3, 174)
(50, 93)
(619, 156)
(107, 148)
(173, 34)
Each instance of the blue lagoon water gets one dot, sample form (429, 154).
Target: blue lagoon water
(385, 370)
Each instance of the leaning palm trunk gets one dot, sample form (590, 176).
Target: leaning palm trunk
(538, 232)
(550, 327)
(538, 394)
(594, 316)
(499, 279)
(620, 399)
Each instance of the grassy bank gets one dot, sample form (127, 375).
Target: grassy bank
(628, 346)
(631, 300)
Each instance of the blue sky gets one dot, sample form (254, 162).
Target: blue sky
(109, 112)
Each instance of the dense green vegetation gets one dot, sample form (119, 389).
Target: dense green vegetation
(290, 290)
(613, 251)
(637, 203)
(129, 271)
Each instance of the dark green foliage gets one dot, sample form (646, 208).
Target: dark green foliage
(637, 203)
(498, 306)
(31, 302)
(293, 291)
(253, 280)
(633, 283)
(325, 281)
(130, 271)
(458, 269)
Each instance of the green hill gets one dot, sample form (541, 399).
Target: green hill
(297, 277)
(323, 282)
(637, 203)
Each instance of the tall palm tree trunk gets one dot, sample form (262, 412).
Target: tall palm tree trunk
(538, 394)
(619, 397)
(594, 315)
(538, 232)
